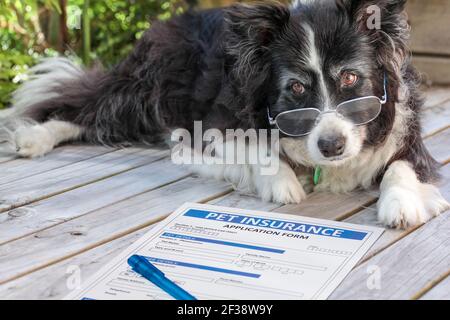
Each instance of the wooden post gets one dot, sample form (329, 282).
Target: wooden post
(86, 25)
(64, 31)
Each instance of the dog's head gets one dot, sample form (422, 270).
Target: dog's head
(318, 54)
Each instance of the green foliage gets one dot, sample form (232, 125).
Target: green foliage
(32, 29)
(20, 41)
(13, 66)
(117, 24)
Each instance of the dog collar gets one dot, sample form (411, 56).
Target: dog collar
(317, 174)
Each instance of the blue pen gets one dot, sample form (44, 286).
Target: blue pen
(142, 266)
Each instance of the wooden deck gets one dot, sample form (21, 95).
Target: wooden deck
(82, 205)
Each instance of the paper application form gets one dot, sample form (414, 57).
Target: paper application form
(227, 253)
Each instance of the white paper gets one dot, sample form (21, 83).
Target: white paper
(226, 253)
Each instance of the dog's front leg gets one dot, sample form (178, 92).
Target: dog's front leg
(404, 200)
(281, 187)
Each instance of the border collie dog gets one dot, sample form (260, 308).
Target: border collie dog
(258, 66)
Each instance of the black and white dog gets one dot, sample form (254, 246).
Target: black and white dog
(228, 67)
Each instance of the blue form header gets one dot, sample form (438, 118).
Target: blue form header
(225, 243)
(277, 224)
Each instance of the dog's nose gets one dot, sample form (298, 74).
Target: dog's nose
(332, 146)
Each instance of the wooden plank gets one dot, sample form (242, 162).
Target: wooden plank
(435, 96)
(435, 119)
(88, 231)
(324, 205)
(60, 157)
(51, 282)
(69, 205)
(430, 22)
(405, 267)
(434, 69)
(5, 156)
(439, 292)
(5, 153)
(250, 202)
(40, 186)
(439, 146)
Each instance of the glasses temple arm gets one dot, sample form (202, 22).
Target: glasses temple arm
(271, 120)
(384, 98)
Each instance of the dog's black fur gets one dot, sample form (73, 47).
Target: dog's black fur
(222, 66)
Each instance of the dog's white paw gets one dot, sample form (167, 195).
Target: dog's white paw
(290, 191)
(402, 208)
(33, 141)
(435, 203)
(405, 201)
(281, 188)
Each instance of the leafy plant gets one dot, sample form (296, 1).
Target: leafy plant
(93, 30)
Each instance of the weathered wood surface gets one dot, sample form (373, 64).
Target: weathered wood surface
(51, 282)
(436, 96)
(440, 291)
(435, 70)
(36, 187)
(31, 252)
(61, 157)
(436, 118)
(5, 156)
(405, 267)
(430, 22)
(83, 206)
(439, 145)
(67, 206)
(430, 39)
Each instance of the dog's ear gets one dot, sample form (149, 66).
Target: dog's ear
(385, 22)
(257, 24)
(249, 31)
(250, 28)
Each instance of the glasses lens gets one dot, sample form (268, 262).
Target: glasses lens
(298, 122)
(360, 111)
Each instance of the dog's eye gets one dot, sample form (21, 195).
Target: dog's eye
(297, 88)
(348, 79)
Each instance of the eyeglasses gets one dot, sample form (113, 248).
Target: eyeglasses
(301, 122)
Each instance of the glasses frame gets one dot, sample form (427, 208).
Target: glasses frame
(382, 100)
